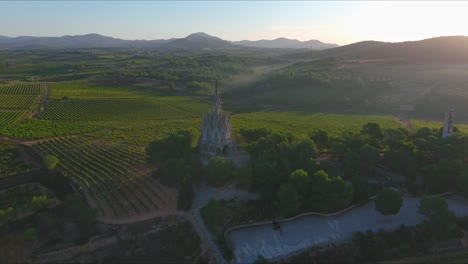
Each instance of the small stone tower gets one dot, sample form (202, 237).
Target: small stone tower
(216, 138)
(448, 123)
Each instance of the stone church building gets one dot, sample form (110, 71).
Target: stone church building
(216, 138)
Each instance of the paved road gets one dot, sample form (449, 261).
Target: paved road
(307, 231)
(202, 195)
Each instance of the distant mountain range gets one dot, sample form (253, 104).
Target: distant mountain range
(194, 41)
(440, 49)
(284, 43)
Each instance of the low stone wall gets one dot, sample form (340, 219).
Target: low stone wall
(226, 233)
(293, 218)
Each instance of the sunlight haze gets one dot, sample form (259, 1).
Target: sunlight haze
(333, 22)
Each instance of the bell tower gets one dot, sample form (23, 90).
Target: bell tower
(448, 123)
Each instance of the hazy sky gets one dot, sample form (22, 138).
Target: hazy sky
(336, 22)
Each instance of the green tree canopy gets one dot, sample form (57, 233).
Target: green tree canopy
(435, 210)
(288, 200)
(219, 170)
(438, 217)
(321, 138)
(388, 202)
(373, 133)
(301, 182)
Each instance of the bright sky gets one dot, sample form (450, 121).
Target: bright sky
(335, 22)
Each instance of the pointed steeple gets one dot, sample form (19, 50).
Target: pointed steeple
(216, 99)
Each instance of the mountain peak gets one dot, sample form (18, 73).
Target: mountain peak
(200, 36)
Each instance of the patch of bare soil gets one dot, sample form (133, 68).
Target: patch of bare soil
(405, 123)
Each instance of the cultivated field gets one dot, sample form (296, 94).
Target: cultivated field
(99, 132)
(113, 177)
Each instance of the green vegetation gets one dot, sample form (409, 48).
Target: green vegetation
(313, 144)
(177, 163)
(40, 202)
(7, 214)
(23, 199)
(438, 217)
(107, 173)
(388, 202)
(303, 123)
(219, 170)
(7, 117)
(51, 161)
(10, 161)
(115, 109)
(317, 86)
(22, 96)
(30, 234)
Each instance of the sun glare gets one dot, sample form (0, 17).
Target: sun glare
(399, 21)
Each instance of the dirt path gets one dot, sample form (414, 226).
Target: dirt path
(405, 123)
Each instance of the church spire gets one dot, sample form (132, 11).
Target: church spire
(216, 99)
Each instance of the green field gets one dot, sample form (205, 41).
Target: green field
(99, 132)
(7, 117)
(79, 89)
(417, 124)
(107, 174)
(11, 161)
(303, 123)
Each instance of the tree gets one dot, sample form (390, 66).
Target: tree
(288, 200)
(51, 161)
(210, 213)
(174, 158)
(300, 180)
(388, 202)
(435, 210)
(437, 215)
(368, 157)
(339, 148)
(340, 194)
(320, 184)
(266, 179)
(300, 154)
(40, 202)
(462, 182)
(373, 133)
(362, 189)
(219, 170)
(253, 135)
(321, 138)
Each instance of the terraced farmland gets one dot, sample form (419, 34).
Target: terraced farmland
(114, 109)
(18, 99)
(23, 89)
(16, 102)
(7, 117)
(107, 175)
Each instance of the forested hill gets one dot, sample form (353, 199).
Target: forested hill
(452, 49)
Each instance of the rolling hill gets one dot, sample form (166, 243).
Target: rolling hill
(419, 79)
(284, 43)
(198, 40)
(440, 49)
